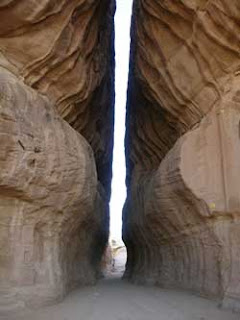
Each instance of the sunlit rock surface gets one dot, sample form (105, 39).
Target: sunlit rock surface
(64, 49)
(181, 218)
(56, 128)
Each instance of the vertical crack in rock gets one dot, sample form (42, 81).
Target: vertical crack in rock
(56, 136)
(181, 218)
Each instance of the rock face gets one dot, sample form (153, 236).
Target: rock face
(64, 49)
(56, 92)
(181, 217)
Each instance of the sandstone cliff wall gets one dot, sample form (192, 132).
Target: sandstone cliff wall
(56, 131)
(181, 218)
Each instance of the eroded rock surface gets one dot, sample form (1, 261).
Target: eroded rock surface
(64, 49)
(56, 91)
(181, 218)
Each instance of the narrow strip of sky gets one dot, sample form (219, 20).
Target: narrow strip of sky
(122, 48)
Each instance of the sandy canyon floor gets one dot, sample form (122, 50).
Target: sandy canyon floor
(114, 299)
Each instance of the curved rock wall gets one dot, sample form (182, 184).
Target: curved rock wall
(56, 132)
(181, 218)
(64, 49)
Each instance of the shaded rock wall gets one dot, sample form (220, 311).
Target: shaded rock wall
(64, 49)
(181, 218)
(56, 132)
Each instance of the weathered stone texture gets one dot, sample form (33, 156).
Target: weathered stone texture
(56, 66)
(50, 207)
(181, 218)
(64, 49)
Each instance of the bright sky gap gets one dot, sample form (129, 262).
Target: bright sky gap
(122, 48)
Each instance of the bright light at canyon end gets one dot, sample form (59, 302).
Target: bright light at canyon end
(122, 46)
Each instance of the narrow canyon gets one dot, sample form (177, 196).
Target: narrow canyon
(181, 218)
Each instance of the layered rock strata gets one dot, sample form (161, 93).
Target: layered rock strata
(64, 49)
(56, 131)
(181, 218)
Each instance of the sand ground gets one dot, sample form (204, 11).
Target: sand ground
(114, 299)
